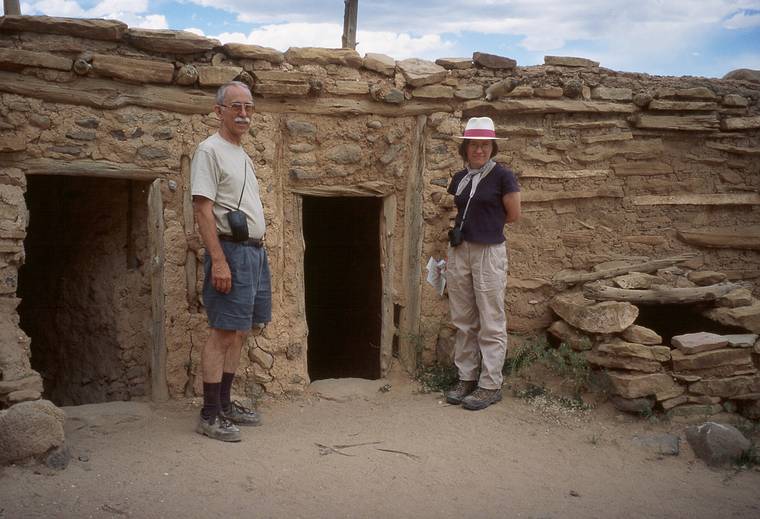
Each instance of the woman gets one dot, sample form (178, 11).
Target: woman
(487, 196)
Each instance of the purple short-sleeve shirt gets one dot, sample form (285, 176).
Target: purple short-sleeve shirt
(486, 215)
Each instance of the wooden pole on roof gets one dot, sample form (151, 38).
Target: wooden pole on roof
(349, 24)
(11, 7)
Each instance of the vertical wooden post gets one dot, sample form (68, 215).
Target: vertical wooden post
(11, 7)
(410, 339)
(349, 24)
(188, 219)
(159, 388)
(387, 330)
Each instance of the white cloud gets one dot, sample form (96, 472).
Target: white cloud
(194, 30)
(66, 8)
(743, 20)
(153, 21)
(110, 7)
(401, 46)
(283, 36)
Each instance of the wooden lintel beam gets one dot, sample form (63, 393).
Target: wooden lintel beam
(86, 168)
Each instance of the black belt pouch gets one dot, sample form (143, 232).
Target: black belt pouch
(238, 225)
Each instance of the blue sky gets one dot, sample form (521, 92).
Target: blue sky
(663, 37)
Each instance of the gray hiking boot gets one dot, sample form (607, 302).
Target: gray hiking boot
(461, 390)
(240, 415)
(481, 398)
(219, 428)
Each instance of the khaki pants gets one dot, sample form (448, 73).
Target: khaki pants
(476, 275)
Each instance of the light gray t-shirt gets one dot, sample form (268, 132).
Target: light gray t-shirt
(217, 172)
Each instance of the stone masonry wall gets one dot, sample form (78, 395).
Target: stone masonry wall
(612, 166)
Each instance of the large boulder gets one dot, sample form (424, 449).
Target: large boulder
(717, 444)
(592, 317)
(30, 429)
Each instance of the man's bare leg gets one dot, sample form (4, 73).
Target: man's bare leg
(234, 411)
(212, 365)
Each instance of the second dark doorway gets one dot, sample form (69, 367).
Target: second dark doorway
(343, 286)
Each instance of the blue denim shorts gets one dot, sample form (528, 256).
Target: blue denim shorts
(249, 302)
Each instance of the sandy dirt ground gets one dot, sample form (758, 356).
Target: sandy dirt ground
(346, 449)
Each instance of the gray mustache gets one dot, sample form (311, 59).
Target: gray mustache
(245, 120)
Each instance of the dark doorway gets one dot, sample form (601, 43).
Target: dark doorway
(343, 286)
(671, 320)
(85, 288)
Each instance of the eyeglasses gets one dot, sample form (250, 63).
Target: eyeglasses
(248, 107)
(479, 144)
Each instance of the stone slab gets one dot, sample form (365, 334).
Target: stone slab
(454, 63)
(320, 56)
(612, 93)
(573, 337)
(711, 359)
(380, 63)
(217, 75)
(433, 92)
(15, 58)
(740, 123)
(569, 61)
(633, 385)
(139, 70)
(493, 61)
(419, 72)
(641, 334)
(691, 343)
(110, 30)
(348, 87)
(726, 387)
(747, 317)
(632, 349)
(744, 340)
(586, 315)
(622, 362)
(170, 42)
(255, 52)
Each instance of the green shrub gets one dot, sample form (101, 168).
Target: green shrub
(437, 378)
(562, 361)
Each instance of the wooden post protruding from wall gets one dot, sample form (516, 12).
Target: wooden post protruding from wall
(11, 7)
(349, 24)
(159, 388)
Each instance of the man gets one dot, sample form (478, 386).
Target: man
(237, 288)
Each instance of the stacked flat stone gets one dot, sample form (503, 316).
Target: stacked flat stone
(698, 374)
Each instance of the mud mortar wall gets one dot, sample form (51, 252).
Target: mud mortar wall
(612, 165)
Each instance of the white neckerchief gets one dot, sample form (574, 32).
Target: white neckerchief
(474, 176)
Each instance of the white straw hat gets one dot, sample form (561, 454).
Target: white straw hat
(479, 128)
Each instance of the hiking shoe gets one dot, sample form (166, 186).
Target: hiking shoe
(461, 390)
(481, 398)
(240, 415)
(219, 428)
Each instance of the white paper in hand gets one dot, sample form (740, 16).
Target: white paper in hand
(435, 274)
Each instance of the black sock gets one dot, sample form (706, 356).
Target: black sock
(211, 405)
(226, 389)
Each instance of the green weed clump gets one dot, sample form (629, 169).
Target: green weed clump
(562, 361)
(437, 378)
